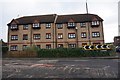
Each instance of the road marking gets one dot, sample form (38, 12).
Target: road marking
(42, 65)
(81, 60)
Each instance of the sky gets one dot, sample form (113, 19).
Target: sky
(106, 9)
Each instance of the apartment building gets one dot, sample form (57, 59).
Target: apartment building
(55, 31)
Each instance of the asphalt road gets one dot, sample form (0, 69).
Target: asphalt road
(59, 68)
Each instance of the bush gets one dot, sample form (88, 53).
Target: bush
(72, 52)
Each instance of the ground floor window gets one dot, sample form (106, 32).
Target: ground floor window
(48, 46)
(96, 43)
(60, 45)
(83, 44)
(38, 46)
(72, 45)
(13, 48)
(24, 47)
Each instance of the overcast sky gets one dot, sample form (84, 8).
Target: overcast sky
(106, 9)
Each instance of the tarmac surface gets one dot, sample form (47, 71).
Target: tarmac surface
(60, 67)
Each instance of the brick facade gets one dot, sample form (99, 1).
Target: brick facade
(53, 31)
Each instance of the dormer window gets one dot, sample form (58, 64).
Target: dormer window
(95, 23)
(14, 27)
(71, 25)
(36, 26)
(83, 24)
(48, 25)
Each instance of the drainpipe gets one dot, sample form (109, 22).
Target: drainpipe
(55, 35)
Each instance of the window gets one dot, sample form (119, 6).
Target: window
(59, 26)
(71, 35)
(95, 34)
(83, 44)
(72, 45)
(38, 46)
(36, 36)
(14, 37)
(48, 46)
(60, 45)
(96, 43)
(48, 35)
(24, 47)
(95, 23)
(25, 27)
(48, 25)
(13, 48)
(83, 35)
(83, 24)
(71, 25)
(36, 26)
(60, 35)
(14, 27)
(25, 37)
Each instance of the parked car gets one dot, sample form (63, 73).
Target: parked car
(118, 48)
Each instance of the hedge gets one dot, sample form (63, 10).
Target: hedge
(72, 52)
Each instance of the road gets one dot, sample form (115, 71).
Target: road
(59, 68)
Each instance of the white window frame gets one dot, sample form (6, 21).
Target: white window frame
(71, 35)
(36, 36)
(95, 34)
(48, 46)
(14, 37)
(48, 35)
(25, 36)
(48, 25)
(59, 26)
(72, 45)
(13, 48)
(60, 35)
(83, 24)
(25, 27)
(71, 24)
(95, 23)
(83, 34)
(13, 26)
(36, 25)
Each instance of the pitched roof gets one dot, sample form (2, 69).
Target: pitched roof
(78, 18)
(60, 19)
(31, 19)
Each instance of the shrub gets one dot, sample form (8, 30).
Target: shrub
(72, 52)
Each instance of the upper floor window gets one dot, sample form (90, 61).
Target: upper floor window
(60, 35)
(25, 27)
(48, 46)
(13, 48)
(25, 36)
(36, 26)
(71, 25)
(83, 24)
(71, 35)
(95, 23)
(14, 27)
(72, 45)
(14, 37)
(83, 35)
(59, 26)
(48, 35)
(48, 25)
(36, 36)
(95, 34)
